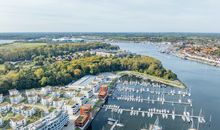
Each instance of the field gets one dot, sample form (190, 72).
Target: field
(16, 46)
(2, 67)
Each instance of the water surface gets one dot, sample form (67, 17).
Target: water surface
(204, 80)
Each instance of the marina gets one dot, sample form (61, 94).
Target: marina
(164, 113)
(198, 91)
(159, 97)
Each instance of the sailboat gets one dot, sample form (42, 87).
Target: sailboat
(192, 126)
(173, 114)
(156, 125)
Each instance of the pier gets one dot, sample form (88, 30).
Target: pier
(162, 100)
(186, 116)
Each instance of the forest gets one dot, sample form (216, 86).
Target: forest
(31, 74)
(28, 51)
(64, 72)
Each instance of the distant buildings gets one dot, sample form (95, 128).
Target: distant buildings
(67, 39)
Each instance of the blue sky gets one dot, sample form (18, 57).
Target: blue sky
(110, 15)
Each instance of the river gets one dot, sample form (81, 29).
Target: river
(6, 41)
(204, 81)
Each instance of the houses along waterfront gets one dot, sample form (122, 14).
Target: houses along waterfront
(69, 107)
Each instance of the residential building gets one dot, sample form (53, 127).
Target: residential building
(58, 102)
(1, 121)
(32, 99)
(80, 99)
(1, 98)
(13, 92)
(75, 108)
(55, 94)
(103, 93)
(69, 93)
(88, 92)
(46, 100)
(46, 90)
(15, 99)
(30, 92)
(5, 107)
(54, 121)
(17, 121)
(85, 116)
(28, 111)
(16, 108)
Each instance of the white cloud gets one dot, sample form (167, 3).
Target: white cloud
(109, 15)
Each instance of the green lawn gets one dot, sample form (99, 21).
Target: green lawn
(7, 48)
(2, 67)
(20, 46)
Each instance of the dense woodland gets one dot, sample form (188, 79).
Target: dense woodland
(30, 51)
(51, 72)
(64, 72)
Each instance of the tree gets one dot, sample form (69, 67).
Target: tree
(43, 81)
(77, 72)
(39, 73)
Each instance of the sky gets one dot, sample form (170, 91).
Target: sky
(109, 15)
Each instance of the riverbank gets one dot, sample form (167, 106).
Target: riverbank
(198, 59)
(174, 83)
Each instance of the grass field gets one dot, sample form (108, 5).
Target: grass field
(2, 67)
(14, 46)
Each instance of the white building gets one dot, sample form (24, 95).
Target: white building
(75, 108)
(17, 121)
(13, 92)
(54, 121)
(80, 99)
(104, 53)
(46, 101)
(28, 111)
(5, 107)
(82, 83)
(88, 92)
(58, 102)
(16, 108)
(1, 98)
(1, 121)
(46, 90)
(15, 99)
(30, 92)
(94, 87)
(55, 94)
(32, 99)
(69, 93)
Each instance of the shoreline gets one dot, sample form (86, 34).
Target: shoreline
(199, 60)
(175, 83)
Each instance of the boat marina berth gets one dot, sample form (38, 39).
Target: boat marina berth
(149, 101)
